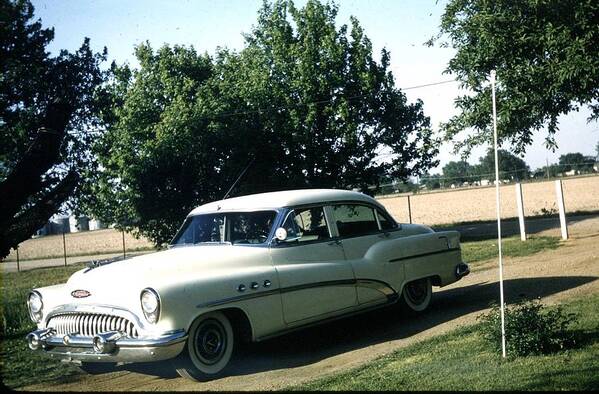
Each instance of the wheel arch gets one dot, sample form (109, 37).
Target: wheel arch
(239, 319)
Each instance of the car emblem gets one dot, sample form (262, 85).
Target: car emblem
(80, 293)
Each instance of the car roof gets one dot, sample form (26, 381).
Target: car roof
(286, 198)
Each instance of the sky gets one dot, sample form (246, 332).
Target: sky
(400, 26)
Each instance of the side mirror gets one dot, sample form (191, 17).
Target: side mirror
(281, 234)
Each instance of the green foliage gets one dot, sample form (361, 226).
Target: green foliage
(510, 166)
(31, 80)
(457, 171)
(431, 182)
(530, 328)
(576, 161)
(546, 57)
(305, 99)
(48, 119)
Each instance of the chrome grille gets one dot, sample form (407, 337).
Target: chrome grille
(90, 324)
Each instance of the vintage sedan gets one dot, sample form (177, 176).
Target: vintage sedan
(243, 269)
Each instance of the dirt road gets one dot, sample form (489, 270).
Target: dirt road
(555, 275)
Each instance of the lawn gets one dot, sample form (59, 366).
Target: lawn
(19, 365)
(474, 252)
(462, 360)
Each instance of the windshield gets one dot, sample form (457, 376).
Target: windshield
(233, 227)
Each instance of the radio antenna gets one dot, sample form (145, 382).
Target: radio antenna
(239, 177)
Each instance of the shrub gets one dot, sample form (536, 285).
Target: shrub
(530, 328)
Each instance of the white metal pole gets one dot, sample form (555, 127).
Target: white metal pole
(559, 192)
(497, 200)
(520, 205)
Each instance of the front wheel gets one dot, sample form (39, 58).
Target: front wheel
(208, 349)
(416, 295)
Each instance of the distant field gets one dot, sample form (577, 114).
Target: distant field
(79, 244)
(475, 204)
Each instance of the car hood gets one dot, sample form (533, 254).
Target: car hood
(155, 268)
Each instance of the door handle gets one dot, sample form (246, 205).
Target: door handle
(335, 242)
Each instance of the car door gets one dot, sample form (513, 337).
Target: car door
(359, 227)
(315, 278)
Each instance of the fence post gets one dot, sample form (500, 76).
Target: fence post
(123, 232)
(562, 209)
(18, 262)
(520, 205)
(409, 209)
(64, 248)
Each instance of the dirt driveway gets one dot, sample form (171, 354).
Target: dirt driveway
(555, 275)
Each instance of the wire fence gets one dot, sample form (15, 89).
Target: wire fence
(554, 171)
(471, 204)
(68, 248)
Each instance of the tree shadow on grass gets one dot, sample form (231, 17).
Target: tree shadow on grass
(314, 344)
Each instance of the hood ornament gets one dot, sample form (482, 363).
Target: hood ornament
(80, 293)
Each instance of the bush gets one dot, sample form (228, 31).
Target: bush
(530, 328)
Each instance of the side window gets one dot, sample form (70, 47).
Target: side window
(386, 223)
(307, 225)
(354, 220)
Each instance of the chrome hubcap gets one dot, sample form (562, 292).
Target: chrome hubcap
(417, 291)
(211, 341)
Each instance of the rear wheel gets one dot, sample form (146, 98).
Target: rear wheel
(416, 295)
(208, 349)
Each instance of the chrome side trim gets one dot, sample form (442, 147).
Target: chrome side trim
(424, 254)
(381, 286)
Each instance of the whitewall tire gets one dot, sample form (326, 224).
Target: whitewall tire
(208, 349)
(416, 295)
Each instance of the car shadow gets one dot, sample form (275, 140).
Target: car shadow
(316, 343)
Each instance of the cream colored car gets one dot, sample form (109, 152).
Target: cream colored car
(245, 268)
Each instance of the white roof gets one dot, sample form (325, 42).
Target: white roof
(286, 198)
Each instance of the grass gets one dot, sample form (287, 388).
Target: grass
(20, 366)
(479, 251)
(462, 360)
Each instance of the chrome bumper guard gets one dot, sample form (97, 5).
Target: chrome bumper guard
(113, 346)
(462, 270)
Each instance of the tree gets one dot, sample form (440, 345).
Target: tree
(47, 109)
(304, 102)
(457, 172)
(431, 181)
(576, 161)
(510, 166)
(547, 61)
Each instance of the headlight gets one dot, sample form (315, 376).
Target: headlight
(150, 304)
(35, 306)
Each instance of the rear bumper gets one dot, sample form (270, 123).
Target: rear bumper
(121, 350)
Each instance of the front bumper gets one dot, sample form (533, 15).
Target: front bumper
(116, 349)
